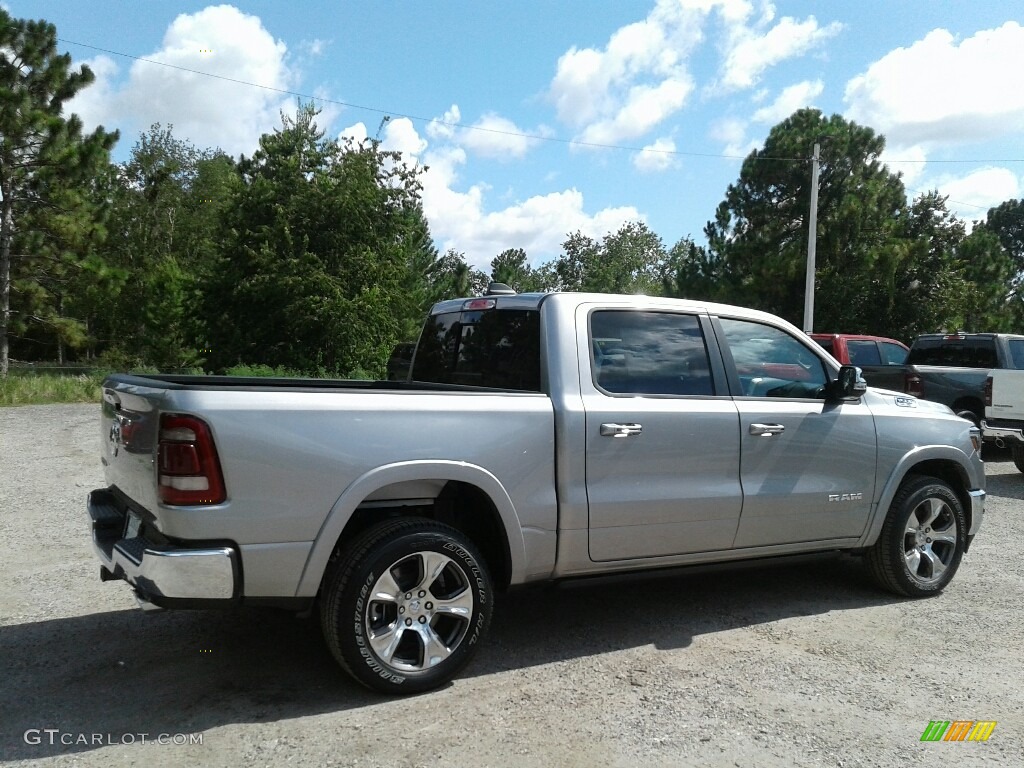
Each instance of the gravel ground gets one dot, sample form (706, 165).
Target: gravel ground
(795, 665)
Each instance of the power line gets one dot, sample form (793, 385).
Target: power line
(394, 113)
(388, 113)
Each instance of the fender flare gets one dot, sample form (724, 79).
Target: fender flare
(899, 474)
(388, 474)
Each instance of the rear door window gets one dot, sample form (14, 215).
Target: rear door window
(649, 353)
(863, 352)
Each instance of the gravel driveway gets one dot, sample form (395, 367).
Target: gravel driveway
(793, 665)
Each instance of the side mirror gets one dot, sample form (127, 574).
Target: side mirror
(848, 385)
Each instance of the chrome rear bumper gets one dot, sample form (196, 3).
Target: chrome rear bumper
(1002, 435)
(164, 575)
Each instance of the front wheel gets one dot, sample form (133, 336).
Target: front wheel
(922, 539)
(404, 608)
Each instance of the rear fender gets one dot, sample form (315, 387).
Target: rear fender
(410, 472)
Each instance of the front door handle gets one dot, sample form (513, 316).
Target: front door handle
(766, 430)
(621, 430)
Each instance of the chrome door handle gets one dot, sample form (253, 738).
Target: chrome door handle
(766, 430)
(621, 430)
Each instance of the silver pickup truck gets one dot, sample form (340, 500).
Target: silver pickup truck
(538, 437)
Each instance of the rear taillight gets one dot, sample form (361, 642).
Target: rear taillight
(988, 392)
(188, 470)
(912, 385)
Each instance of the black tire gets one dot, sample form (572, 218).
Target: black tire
(387, 644)
(1018, 457)
(922, 540)
(971, 416)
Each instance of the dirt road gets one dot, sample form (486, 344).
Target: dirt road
(796, 665)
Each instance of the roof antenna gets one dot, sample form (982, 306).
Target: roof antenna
(499, 289)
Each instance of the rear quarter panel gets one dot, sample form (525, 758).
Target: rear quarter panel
(1007, 395)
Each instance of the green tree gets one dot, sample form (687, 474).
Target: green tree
(169, 199)
(512, 267)
(452, 277)
(317, 254)
(690, 272)
(39, 147)
(630, 260)
(758, 239)
(993, 262)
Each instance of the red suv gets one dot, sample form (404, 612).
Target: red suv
(882, 361)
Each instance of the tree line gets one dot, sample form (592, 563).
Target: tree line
(314, 254)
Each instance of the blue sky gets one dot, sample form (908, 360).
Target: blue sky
(502, 101)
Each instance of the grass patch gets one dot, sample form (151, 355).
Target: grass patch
(43, 389)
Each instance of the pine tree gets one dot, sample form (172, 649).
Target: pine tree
(39, 147)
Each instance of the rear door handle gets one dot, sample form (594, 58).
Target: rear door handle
(766, 430)
(621, 430)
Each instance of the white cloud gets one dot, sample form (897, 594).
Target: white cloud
(459, 217)
(733, 134)
(750, 52)
(497, 137)
(356, 132)
(971, 196)
(444, 127)
(315, 47)
(940, 92)
(539, 225)
(908, 161)
(603, 92)
(644, 108)
(641, 77)
(92, 103)
(209, 112)
(401, 135)
(789, 101)
(656, 157)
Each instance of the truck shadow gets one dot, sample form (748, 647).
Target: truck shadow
(187, 672)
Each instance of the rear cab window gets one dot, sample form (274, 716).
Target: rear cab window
(494, 348)
(955, 351)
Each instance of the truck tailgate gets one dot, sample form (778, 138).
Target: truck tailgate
(130, 426)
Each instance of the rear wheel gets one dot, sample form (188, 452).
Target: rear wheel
(1018, 457)
(405, 607)
(922, 539)
(971, 416)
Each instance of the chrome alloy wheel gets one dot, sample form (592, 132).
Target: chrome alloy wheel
(930, 540)
(418, 611)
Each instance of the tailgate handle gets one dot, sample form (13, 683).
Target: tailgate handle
(621, 430)
(766, 430)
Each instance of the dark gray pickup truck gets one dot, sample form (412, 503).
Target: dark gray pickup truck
(951, 368)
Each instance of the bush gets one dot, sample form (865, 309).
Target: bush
(262, 370)
(43, 389)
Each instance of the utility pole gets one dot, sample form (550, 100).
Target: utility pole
(812, 238)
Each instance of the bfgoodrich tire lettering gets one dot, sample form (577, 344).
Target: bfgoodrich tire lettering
(922, 539)
(405, 606)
